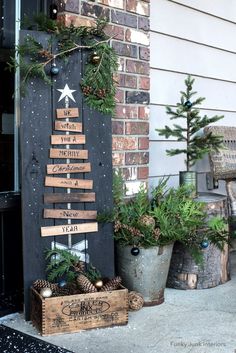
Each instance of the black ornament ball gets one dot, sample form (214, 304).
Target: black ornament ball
(204, 244)
(188, 104)
(54, 69)
(95, 58)
(135, 251)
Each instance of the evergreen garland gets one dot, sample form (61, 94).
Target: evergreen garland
(97, 84)
(196, 145)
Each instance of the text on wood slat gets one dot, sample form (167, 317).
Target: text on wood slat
(69, 229)
(68, 183)
(72, 154)
(69, 214)
(68, 168)
(67, 113)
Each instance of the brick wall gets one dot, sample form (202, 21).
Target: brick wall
(129, 27)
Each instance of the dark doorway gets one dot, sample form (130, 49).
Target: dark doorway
(11, 258)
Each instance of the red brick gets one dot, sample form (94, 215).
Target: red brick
(126, 112)
(121, 64)
(115, 32)
(136, 36)
(130, 173)
(144, 53)
(124, 49)
(117, 127)
(144, 83)
(131, 5)
(144, 113)
(132, 158)
(124, 143)
(76, 20)
(120, 96)
(143, 143)
(137, 128)
(137, 67)
(129, 81)
(118, 159)
(143, 172)
(113, 3)
(94, 10)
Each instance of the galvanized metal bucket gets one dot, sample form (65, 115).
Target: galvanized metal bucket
(189, 178)
(145, 273)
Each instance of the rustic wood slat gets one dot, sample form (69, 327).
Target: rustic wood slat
(69, 229)
(68, 168)
(67, 126)
(69, 214)
(67, 139)
(72, 197)
(67, 113)
(64, 153)
(68, 183)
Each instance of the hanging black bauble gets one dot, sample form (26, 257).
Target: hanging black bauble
(188, 104)
(135, 251)
(95, 58)
(54, 69)
(204, 244)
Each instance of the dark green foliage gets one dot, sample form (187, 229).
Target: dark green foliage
(197, 145)
(93, 274)
(97, 83)
(171, 215)
(61, 263)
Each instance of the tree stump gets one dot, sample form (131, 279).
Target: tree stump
(184, 273)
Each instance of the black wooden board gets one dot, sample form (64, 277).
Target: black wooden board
(38, 113)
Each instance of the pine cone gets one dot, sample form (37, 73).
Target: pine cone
(148, 221)
(42, 283)
(136, 300)
(80, 266)
(112, 284)
(86, 90)
(85, 285)
(101, 93)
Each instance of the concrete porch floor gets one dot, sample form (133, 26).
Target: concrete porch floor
(193, 321)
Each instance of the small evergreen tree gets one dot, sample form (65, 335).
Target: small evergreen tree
(197, 145)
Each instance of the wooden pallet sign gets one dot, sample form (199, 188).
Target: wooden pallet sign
(68, 168)
(69, 214)
(69, 229)
(68, 183)
(64, 153)
(67, 113)
(67, 139)
(71, 198)
(68, 126)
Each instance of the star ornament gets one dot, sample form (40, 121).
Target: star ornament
(66, 92)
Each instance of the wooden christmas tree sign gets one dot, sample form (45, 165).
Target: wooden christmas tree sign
(68, 182)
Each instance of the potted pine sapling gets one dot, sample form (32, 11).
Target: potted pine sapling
(190, 132)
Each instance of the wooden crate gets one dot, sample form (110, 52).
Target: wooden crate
(78, 312)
